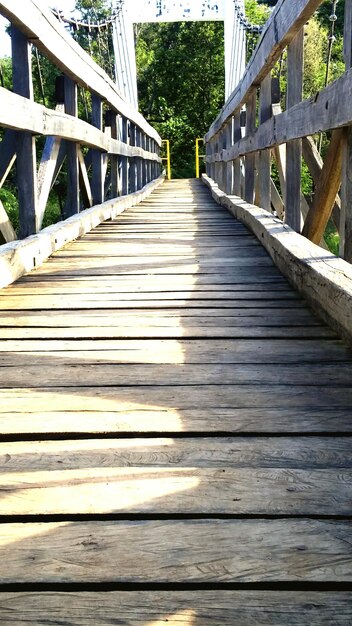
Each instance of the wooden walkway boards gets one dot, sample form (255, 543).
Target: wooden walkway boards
(175, 432)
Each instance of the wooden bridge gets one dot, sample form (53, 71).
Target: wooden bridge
(176, 394)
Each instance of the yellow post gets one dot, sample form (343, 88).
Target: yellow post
(166, 142)
(198, 156)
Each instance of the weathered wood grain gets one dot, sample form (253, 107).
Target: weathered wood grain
(20, 113)
(176, 351)
(294, 148)
(318, 275)
(189, 551)
(39, 25)
(285, 22)
(87, 374)
(172, 398)
(326, 191)
(178, 608)
(286, 453)
(171, 490)
(17, 258)
(210, 419)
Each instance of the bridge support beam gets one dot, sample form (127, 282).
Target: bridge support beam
(26, 148)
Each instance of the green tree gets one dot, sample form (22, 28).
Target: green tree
(181, 82)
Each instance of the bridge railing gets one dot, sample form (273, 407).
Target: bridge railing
(239, 151)
(124, 150)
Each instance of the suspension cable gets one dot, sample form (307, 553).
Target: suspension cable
(79, 24)
(248, 26)
(331, 41)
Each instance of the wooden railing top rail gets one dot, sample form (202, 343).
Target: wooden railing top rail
(288, 17)
(43, 29)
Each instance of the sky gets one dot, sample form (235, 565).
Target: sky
(64, 5)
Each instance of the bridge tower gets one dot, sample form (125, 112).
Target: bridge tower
(231, 12)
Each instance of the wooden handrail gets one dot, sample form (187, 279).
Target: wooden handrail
(233, 156)
(285, 22)
(43, 29)
(126, 138)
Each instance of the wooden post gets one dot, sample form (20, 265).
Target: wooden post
(26, 149)
(326, 190)
(346, 186)
(145, 143)
(228, 165)
(237, 174)
(72, 203)
(294, 148)
(250, 158)
(217, 164)
(139, 164)
(132, 171)
(264, 157)
(114, 163)
(150, 148)
(124, 160)
(97, 156)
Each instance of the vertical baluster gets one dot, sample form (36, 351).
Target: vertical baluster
(264, 158)
(114, 161)
(237, 174)
(294, 148)
(346, 188)
(250, 158)
(145, 162)
(132, 178)
(97, 156)
(229, 165)
(26, 149)
(124, 160)
(72, 203)
(139, 162)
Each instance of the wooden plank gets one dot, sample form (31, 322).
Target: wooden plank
(39, 25)
(105, 374)
(248, 282)
(129, 301)
(166, 318)
(178, 608)
(250, 330)
(171, 490)
(294, 148)
(173, 398)
(211, 419)
(326, 190)
(168, 351)
(299, 259)
(189, 551)
(17, 258)
(287, 453)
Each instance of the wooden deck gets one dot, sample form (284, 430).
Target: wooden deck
(175, 432)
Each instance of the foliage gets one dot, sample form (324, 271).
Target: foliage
(181, 93)
(332, 238)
